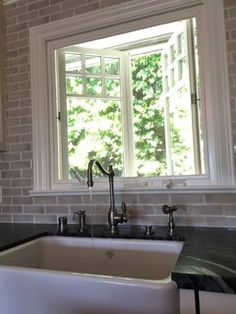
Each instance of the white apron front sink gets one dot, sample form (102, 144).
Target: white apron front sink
(66, 275)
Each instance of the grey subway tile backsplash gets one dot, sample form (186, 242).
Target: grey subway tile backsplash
(5, 218)
(229, 210)
(12, 191)
(56, 209)
(22, 200)
(97, 219)
(206, 210)
(153, 198)
(33, 209)
(95, 198)
(191, 221)
(128, 198)
(149, 220)
(74, 199)
(44, 199)
(89, 208)
(227, 198)
(51, 219)
(186, 198)
(23, 218)
(227, 222)
(9, 209)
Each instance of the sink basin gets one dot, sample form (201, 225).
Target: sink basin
(67, 275)
(139, 259)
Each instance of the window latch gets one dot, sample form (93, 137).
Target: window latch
(59, 116)
(194, 99)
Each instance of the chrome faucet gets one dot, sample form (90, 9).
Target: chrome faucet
(82, 220)
(114, 217)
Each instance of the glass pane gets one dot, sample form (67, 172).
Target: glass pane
(165, 61)
(94, 131)
(73, 63)
(93, 64)
(164, 121)
(112, 66)
(172, 53)
(148, 115)
(112, 87)
(94, 86)
(180, 43)
(181, 68)
(172, 77)
(166, 83)
(180, 127)
(74, 85)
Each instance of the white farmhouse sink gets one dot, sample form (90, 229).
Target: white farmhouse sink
(66, 275)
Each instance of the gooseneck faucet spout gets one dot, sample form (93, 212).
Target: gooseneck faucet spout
(114, 217)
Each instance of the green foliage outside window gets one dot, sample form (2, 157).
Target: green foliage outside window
(94, 132)
(148, 115)
(94, 125)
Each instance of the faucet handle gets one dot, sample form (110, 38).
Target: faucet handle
(168, 209)
(82, 219)
(125, 216)
(124, 208)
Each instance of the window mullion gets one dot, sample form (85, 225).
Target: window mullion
(194, 98)
(103, 76)
(127, 119)
(83, 73)
(169, 163)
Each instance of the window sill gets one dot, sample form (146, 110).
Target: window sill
(174, 190)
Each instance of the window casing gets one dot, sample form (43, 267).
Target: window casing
(209, 16)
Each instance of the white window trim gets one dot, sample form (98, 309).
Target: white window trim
(124, 98)
(45, 38)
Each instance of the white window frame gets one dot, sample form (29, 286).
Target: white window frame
(44, 39)
(172, 88)
(124, 98)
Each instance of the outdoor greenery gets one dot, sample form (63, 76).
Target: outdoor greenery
(148, 115)
(94, 132)
(95, 126)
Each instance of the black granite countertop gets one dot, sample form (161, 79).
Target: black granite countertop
(207, 261)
